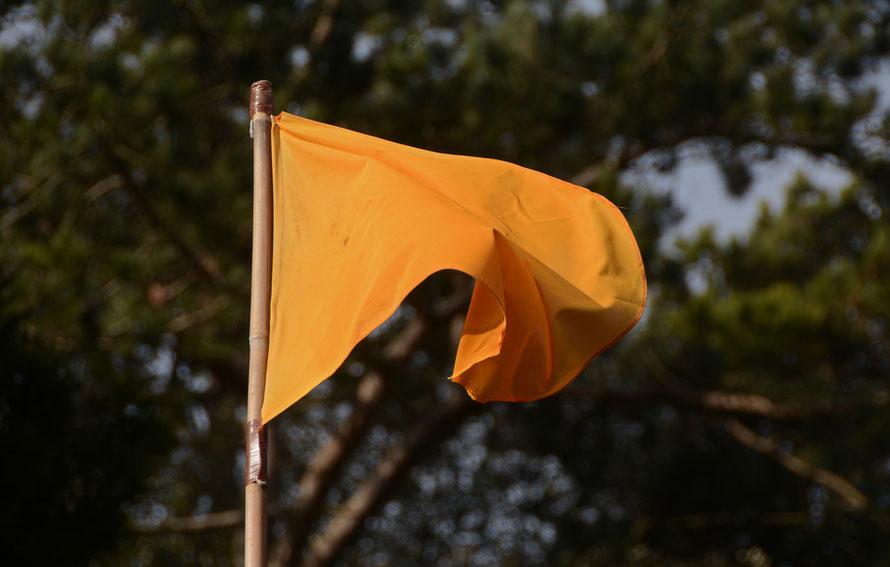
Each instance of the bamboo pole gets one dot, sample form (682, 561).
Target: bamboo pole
(260, 107)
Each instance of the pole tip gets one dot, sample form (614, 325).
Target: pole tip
(261, 98)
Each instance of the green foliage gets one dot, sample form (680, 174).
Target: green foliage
(79, 428)
(124, 274)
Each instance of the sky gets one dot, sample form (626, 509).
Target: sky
(694, 179)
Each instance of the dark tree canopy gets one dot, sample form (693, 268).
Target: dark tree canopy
(743, 422)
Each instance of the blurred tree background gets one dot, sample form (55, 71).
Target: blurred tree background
(743, 422)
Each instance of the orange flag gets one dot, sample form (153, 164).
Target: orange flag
(360, 221)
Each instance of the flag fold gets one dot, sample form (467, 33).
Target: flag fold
(359, 222)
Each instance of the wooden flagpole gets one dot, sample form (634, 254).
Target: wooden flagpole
(260, 107)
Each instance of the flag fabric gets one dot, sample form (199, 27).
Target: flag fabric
(360, 221)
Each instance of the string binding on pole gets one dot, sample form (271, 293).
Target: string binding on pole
(255, 471)
(261, 98)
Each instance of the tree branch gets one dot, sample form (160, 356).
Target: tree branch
(327, 462)
(212, 521)
(200, 258)
(831, 481)
(733, 403)
(322, 469)
(363, 502)
(644, 524)
(199, 316)
(715, 400)
(324, 23)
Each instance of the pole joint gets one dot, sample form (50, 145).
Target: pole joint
(258, 338)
